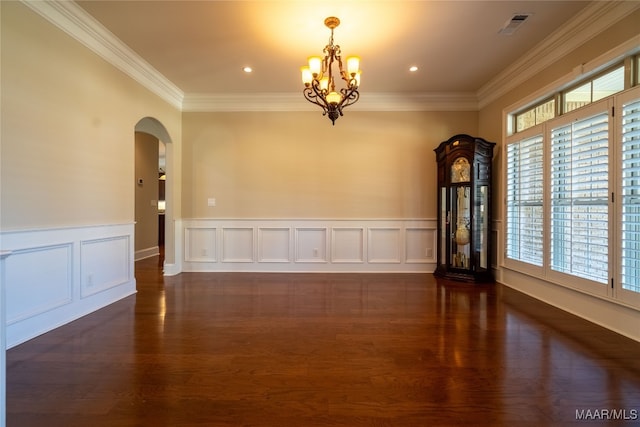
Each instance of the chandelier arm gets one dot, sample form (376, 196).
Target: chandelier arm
(350, 81)
(314, 94)
(310, 96)
(349, 96)
(320, 93)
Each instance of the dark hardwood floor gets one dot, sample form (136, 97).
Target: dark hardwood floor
(240, 349)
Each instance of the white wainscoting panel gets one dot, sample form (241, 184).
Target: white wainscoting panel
(38, 280)
(200, 244)
(55, 276)
(105, 263)
(274, 244)
(420, 245)
(305, 245)
(237, 244)
(384, 245)
(347, 244)
(311, 244)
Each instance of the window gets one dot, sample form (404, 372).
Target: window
(524, 200)
(585, 93)
(579, 222)
(535, 115)
(630, 223)
(577, 98)
(572, 187)
(594, 90)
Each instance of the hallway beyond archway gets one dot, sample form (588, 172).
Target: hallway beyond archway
(164, 242)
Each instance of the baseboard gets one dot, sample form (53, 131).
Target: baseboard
(608, 314)
(171, 269)
(147, 253)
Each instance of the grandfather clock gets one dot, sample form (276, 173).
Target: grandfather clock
(464, 209)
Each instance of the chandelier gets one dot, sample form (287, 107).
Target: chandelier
(320, 83)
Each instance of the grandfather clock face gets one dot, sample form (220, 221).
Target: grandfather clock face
(460, 170)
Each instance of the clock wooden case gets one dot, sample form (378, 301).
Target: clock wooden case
(464, 209)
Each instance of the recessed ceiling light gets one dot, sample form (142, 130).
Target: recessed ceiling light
(247, 69)
(413, 69)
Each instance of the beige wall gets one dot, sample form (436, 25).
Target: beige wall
(297, 165)
(67, 133)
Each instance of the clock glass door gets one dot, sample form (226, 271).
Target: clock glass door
(460, 221)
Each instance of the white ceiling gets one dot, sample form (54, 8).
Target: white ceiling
(202, 46)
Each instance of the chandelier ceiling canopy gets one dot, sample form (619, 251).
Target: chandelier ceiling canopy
(320, 82)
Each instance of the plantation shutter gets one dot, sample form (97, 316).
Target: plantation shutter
(630, 227)
(580, 198)
(524, 200)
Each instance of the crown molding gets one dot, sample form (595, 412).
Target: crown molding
(451, 101)
(588, 23)
(80, 25)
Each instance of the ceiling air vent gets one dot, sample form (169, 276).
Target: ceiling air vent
(514, 23)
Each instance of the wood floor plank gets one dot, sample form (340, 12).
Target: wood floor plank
(247, 349)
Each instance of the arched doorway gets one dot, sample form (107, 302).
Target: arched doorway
(153, 136)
